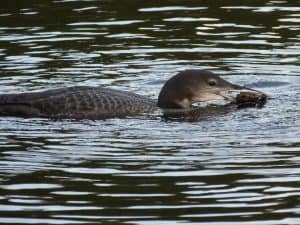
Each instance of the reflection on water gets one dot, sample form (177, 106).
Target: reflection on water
(240, 167)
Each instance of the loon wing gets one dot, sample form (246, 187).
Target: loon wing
(74, 102)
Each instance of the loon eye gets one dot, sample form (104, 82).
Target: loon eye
(212, 82)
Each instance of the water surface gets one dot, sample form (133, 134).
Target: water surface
(238, 168)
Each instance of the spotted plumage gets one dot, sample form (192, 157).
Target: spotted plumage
(75, 102)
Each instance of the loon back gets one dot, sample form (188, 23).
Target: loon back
(75, 102)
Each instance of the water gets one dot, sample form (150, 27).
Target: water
(238, 168)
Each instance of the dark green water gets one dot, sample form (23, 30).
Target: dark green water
(241, 168)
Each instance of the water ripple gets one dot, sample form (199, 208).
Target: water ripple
(237, 168)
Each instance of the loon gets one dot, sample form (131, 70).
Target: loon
(180, 92)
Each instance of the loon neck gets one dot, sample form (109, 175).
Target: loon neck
(171, 104)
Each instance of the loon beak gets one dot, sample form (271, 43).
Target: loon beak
(243, 96)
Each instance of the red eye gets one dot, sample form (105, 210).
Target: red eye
(212, 82)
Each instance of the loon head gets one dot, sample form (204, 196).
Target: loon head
(193, 86)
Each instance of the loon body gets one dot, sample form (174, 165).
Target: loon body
(179, 92)
(75, 102)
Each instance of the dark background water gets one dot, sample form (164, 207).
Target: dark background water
(238, 168)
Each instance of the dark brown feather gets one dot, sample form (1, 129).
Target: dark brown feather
(75, 102)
